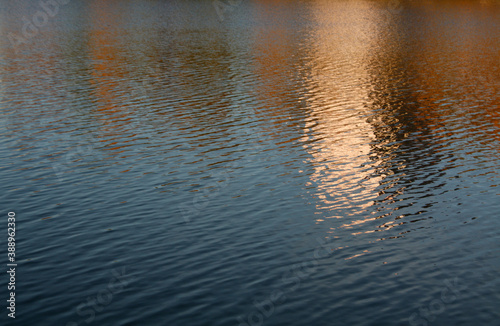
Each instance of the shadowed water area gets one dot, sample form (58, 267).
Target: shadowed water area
(260, 163)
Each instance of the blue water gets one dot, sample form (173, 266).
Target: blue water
(259, 163)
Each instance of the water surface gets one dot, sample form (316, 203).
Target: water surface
(272, 163)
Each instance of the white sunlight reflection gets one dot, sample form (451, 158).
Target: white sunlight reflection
(337, 97)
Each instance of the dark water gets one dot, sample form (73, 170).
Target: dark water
(265, 163)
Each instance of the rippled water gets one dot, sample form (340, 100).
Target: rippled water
(260, 163)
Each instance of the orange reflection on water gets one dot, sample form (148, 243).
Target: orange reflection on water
(275, 51)
(109, 75)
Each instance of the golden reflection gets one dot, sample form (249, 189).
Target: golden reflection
(374, 82)
(357, 255)
(337, 97)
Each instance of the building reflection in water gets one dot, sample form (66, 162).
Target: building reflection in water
(387, 110)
